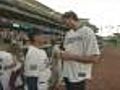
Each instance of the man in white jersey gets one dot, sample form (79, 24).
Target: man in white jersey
(7, 65)
(81, 52)
(37, 69)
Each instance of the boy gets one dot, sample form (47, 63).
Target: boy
(37, 71)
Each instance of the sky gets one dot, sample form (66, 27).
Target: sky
(100, 12)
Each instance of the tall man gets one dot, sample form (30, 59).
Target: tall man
(81, 52)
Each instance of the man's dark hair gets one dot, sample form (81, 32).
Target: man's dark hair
(70, 14)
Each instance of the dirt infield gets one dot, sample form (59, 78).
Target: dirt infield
(106, 75)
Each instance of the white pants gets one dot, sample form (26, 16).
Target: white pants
(4, 79)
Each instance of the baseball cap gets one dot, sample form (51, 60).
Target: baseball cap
(33, 33)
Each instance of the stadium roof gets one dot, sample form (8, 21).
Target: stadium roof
(29, 11)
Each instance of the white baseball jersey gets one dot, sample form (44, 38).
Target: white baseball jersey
(81, 42)
(37, 64)
(6, 60)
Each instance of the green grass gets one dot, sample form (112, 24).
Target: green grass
(117, 45)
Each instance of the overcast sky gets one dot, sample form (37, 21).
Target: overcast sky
(100, 12)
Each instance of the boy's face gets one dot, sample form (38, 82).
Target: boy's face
(41, 39)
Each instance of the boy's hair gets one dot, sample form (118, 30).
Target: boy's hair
(33, 33)
(70, 14)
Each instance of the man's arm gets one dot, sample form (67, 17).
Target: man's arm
(83, 59)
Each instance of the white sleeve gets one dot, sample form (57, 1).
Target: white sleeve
(9, 60)
(91, 45)
(43, 61)
(9, 63)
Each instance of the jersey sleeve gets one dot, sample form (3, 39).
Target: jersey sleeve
(9, 60)
(91, 45)
(44, 61)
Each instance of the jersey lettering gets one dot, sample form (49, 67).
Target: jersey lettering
(33, 67)
(74, 39)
